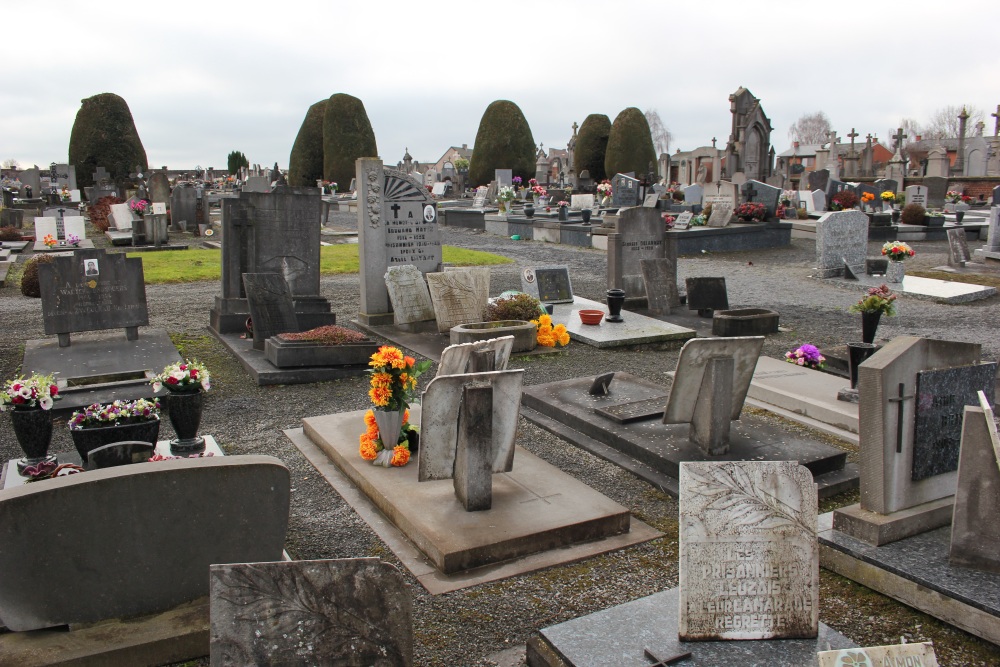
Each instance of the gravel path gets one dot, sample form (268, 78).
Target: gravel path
(464, 627)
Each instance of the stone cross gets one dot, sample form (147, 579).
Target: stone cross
(852, 135)
(996, 123)
(101, 176)
(959, 167)
(833, 139)
(899, 416)
(898, 137)
(665, 662)
(576, 126)
(980, 126)
(713, 138)
(243, 225)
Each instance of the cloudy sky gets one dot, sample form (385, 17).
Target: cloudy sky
(203, 79)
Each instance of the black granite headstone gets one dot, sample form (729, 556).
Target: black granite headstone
(864, 188)
(937, 188)
(624, 191)
(706, 294)
(553, 285)
(941, 399)
(271, 306)
(768, 195)
(833, 187)
(819, 180)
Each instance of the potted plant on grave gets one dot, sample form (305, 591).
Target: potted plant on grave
(393, 389)
(876, 302)
(843, 201)
(539, 194)
(510, 314)
(98, 425)
(29, 400)
(896, 252)
(186, 383)
(139, 206)
(563, 210)
(888, 198)
(505, 195)
(751, 211)
(604, 192)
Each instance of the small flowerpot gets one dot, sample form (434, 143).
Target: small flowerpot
(591, 317)
(563, 213)
(184, 409)
(389, 422)
(89, 439)
(959, 216)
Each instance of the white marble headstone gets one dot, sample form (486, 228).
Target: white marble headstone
(121, 217)
(408, 294)
(691, 364)
(749, 559)
(920, 654)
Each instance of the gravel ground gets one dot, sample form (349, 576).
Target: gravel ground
(468, 626)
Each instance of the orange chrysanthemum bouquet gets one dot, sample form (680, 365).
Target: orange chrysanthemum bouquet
(393, 389)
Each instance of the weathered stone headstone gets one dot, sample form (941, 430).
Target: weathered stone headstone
(841, 236)
(397, 225)
(693, 194)
(919, 654)
(548, 284)
(683, 221)
(158, 187)
(91, 291)
(121, 217)
(640, 235)
(768, 195)
(273, 232)
(479, 200)
(660, 279)
(624, 191)
(322, 612)
(408, 294)
(459, 297)
(937, 188)
(271, 306)
(722, 213)
(581, 201)
(958, 247)
(456, 359)
(819, 180)
(749, 560)
(649, 201)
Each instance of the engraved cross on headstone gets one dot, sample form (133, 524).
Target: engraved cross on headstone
(751, 192)
(101, 176)
(898, 139)
(899, 415)
(664, 662)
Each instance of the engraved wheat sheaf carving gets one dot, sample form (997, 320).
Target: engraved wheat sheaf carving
(744, 503)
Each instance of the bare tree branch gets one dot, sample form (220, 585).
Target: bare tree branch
(811, 128)
(661, 135)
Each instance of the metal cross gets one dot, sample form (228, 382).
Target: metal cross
(996, 123)
(899, 136)
(899, 416)
(663, 662)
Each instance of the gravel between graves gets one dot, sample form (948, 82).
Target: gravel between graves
(468, 626)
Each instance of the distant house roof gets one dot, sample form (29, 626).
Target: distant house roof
(927, 144)
(804, 150)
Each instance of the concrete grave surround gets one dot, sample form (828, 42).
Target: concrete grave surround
(397, 225)
(323, 612)
(455, 358)
(459, 297)
(840, 236)
(271, 306)
(132, 553)
(975, 531)
(408, 294)
(919, 654)
(548, 284)
(440, 406)
(659, 276)
(640, 235)
(635, 330)
(749, 561)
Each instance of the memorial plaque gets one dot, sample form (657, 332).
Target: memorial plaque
(722, 213)
(683, 221)
(411, 302)
(271, 306)
(649, 201)
(749, 560)
(920, 654)
(548, 284)
(159, 208)
(941, 399)
(459, 297)
(624, 191)
(91, 291)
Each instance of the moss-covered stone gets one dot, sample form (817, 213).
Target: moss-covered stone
(591, 146)
(305, 164)
(347, 136)
(503, 141)
(104, 135)
(630, 145)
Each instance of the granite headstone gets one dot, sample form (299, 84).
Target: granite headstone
(841, 236)
(548, 284)
(937, 188)
(640, 235)
(706, 293)
(768, 195)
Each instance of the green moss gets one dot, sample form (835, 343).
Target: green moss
(591, 146)
(503, 141)
(630, 145)
(104, 135)
(305, 164)
(347, 136)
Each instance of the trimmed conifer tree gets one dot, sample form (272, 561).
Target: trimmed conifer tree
(591, 146)
(305, 164)
(104, 135)
(347, 136)
(630, 145)
(503, 141)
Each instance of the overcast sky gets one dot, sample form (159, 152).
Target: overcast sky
(205, 78)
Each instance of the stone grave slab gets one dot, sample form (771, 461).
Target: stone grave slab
(536, 506)
(399, 225)
(640, 235)
(841, 236)
(619, 636)
(624, 191)
(659, 277)
(636, 329)
(271, 306)
(928, 289)
(749, 561)
(548, 284)
(796, 390)
(351, 610)
(408, 294)
(975, 532)
(654, 450)
(459, 297)
(439, 417)
(706, 294)
(919, 654)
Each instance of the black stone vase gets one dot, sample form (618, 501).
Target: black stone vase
(33, 430)
(895, 214)
(857, 353)
(585, 214)
(529, 210)
(616, 299)
(88, 439)
(563, 213)
(869, 324)
(184, 409)
(959, 216)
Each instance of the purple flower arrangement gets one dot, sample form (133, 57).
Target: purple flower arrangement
(808, 356)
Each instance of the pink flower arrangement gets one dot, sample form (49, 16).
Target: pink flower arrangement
(139, 206)
(563, 203)
(806, 355)
(37, 391)
(669, 220)
(539, 191)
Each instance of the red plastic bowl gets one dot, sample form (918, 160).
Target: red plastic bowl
(591, 316)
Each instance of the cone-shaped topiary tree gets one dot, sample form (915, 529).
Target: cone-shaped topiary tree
(104, 135)
(591, 145)
(503, 141)
(347, 136)
(630, 145)
(305, 164)
(235, 160)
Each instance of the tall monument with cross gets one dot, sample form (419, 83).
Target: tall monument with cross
(851, 159)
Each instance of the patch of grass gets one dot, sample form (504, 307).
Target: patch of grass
(185, 266)
(970, 278)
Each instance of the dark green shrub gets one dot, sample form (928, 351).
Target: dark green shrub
(518, 306)
(630, 145)
(913, 214)
(347, 136)
(10, 234)
(591, 146)
(305, 164)
(104, 135)
(503, 141)
(29, 279)
(235, 160)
